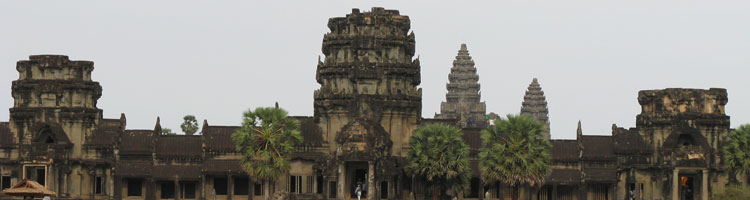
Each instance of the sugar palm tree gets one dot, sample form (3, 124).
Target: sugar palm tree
(266, 140)
(736, 151)
(439, 157)
(514, 152)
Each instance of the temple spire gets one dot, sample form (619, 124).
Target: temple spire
(463, 97)
(535, 104)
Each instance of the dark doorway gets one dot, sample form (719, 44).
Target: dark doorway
(36, 173)
(687, 187)
(359, 179)
(167, 190)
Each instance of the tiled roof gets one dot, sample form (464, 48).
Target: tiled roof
(217, 166)
(600, 174)
(564, 150)
(219, 138)
(179, 145)
(6, 137)
(629, 142)
(106, 134)
(312, 135)
(598, 148)
(133, 168)
(564, 176)
(181, 172)
(137, 142)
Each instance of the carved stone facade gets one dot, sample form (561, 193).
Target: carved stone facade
(365, 111)
(535, 104)
(462, 102)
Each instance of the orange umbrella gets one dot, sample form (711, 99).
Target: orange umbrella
(27, 188)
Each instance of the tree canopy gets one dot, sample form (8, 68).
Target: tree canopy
(736, 150)
(189, 125)
(514, 151)
(266, 139)
(439, 157)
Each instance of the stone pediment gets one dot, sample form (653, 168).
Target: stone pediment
(363, 139)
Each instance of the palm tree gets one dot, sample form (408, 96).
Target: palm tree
(189, 125)
(266, 140)
(439, 157)
(737, 151)
(514, 152)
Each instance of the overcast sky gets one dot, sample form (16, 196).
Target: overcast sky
(217, 59)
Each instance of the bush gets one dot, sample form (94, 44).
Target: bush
(733, 192)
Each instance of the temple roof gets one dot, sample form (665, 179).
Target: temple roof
(137, 142)
(598, 148)
(629, 142)
(564, 150)
(106, 134)
(179, 146)
(219, 138)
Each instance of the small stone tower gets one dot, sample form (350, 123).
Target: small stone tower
(535, 104)
(463, 97)
(54, 94)
(54, 112)
(368, 103)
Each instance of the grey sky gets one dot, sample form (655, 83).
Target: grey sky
(215, 60)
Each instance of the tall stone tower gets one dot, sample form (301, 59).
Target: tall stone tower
(535, 104)
(54, 111)
(368, 103)
(463, 97)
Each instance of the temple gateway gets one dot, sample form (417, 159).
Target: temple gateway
(365, 111)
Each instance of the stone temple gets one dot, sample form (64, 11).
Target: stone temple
(365, 111)
(463, 97)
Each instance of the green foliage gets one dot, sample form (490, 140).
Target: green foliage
(514, 151)
(266, 139)
(167, 131)
(439, 157)
(736, 150)
(190, 125)
(733, 192)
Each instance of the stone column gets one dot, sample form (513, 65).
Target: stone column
(371, 181)
(230, 187)
(341, 182)
(177, 191)
(704, 185)
(675, 184)
(202, 190)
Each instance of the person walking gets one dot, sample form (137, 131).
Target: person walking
(358, 191)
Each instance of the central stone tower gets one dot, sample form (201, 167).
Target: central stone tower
(462, 101)
(368, 103)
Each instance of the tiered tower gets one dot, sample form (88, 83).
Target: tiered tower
(368, 103)
(54, 112)
(535, 104)
(463, 97)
